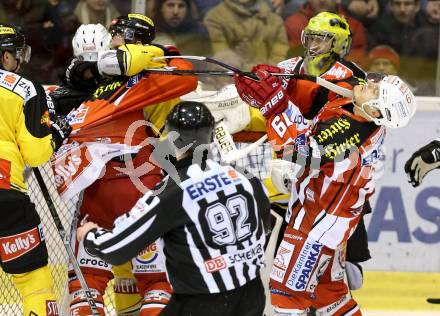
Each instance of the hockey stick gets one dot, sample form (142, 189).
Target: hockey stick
(347, 93)
(66, 242)
(433, 300)
(226, 145)
(213, 61)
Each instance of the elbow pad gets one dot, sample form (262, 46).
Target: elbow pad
(109, 64)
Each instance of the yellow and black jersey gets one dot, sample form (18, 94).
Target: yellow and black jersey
(25, 136)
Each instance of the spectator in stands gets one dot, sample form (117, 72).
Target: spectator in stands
(250, 29)
(366, 11)
(203, 6)
(277, 6)
(292, 6)
(432, 9)
(296, 22)
(384, 59)
(397, 29)
(176, 25)
(408, 31)
(49, 27)
(53, 38)
(96, 11)
(426, 37)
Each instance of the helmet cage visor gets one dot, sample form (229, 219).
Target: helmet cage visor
(23, 54)
(127, 33)
(317, 44)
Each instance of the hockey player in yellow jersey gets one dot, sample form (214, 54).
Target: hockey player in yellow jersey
(28, 135)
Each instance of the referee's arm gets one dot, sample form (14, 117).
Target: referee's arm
(147, 221)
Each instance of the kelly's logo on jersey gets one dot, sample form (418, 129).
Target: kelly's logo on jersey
(17, 245)
(148, 255)
(213, 183)
(338, 71)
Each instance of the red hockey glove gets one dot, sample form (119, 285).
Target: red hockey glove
(268, 94)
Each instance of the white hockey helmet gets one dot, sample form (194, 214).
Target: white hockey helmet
(396, 103)
(90, 39)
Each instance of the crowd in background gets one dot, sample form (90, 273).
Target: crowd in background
(392, 36)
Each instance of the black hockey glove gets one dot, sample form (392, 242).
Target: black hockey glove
(423, 161)
(83, 75)
(60, 129)
(66, 99)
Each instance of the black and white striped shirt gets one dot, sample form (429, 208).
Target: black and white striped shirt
(211, 224)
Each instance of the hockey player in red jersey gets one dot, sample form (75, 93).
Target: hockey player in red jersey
(103, 151)
(335, 159)
(327, 40)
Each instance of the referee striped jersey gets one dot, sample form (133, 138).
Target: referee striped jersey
(212, 224)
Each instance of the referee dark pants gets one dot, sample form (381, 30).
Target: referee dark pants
(248, 300)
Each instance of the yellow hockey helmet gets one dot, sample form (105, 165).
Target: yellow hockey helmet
(326, 37)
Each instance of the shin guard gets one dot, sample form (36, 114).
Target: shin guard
(156, 299)
(78, 301)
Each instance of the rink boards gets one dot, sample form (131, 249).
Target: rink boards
(404, 227)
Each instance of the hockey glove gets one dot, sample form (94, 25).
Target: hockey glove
(423, 161)
(60, 129)
(138, 57)
(268, 94)
(284, 173)
(66, 99)
(83, 75)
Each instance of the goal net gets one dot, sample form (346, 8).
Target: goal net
(10, 300)
(255, 162)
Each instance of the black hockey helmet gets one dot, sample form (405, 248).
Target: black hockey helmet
(193, 122)
(12, 40)
(133, 27)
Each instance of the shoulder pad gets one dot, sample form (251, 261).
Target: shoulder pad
(291, 63)
(17, 84)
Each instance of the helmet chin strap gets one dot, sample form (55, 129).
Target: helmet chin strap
(364, 113)
(18, 65)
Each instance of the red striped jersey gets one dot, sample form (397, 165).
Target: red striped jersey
(339, 152)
